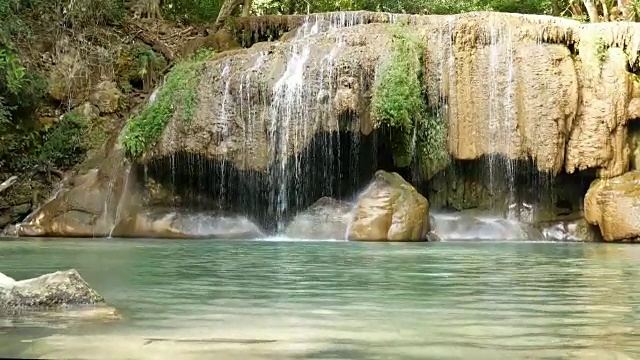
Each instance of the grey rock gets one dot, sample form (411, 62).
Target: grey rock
(60, 289)
(327, 218)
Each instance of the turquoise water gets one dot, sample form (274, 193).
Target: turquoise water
(336, 300)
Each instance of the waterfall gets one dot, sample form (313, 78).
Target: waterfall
(297, 102)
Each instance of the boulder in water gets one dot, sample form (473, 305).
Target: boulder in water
(614, 205)
(160, 223)
(327, 218)
(58, 290)
(390, 209)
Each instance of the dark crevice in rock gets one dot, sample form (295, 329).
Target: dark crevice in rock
(337, 165)
(492, 183)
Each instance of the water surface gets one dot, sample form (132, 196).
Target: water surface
(337, 300)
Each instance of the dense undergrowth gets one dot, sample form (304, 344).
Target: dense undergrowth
(176, 97)
(399, 107)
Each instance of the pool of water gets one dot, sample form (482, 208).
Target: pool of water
(336, 300)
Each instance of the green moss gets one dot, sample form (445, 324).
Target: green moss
(179, 92)
(398, 105)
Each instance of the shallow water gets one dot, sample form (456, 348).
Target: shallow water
(337, 300)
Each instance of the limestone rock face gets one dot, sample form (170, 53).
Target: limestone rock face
(614, 205)
(87, 204)
(69, 80)
(268, 102)
(327, 218)
(56, 290)
(598, 137)
(505, 84)
(390, 209)
(106, 96)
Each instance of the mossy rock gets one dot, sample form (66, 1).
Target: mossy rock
(137, 66)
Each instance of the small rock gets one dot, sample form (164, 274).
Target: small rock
(327, 218)
(106, 96)
(56, 290)
(88, 111)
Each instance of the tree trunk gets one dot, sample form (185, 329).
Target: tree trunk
(246, 8)
(576, 9)
(605, 10)
(150, 9)
(592, 10)
(227, 9)
(555, 8)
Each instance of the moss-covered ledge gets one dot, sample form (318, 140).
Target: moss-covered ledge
(177, 97)
(415, 135)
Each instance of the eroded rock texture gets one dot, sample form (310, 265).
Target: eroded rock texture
(614, 205)
(390, 209)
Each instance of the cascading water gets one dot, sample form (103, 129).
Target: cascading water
(298, 100)
(502, 116)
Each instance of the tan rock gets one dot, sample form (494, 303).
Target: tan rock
(390, 209)
(598, 136)
(69, 80)
(106, 96)
(614, 205)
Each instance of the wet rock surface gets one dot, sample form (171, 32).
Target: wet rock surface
(62, 289)
(467, 226)
(390, 209)
(327, 218)
(614, 206)
(570, 230)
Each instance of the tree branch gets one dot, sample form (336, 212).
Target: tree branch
(7, 184)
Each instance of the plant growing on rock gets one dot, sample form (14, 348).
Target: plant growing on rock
(177, 97)
(398, 104)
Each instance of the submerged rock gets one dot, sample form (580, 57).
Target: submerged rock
(390, 209)
(614, 205)
(570, 230)
(327, 218)
(165, 224)
(62, 289)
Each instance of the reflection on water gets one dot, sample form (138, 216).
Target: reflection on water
(338, 300)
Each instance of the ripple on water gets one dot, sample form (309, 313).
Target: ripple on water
(330, 300)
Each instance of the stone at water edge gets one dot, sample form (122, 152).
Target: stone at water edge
(327, 218)
(390, 209)
(614, 205)
(55, 291)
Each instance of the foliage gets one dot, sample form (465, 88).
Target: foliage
(397, 99)
(64, 143)
(138, 66)
(60, 145)
(192, 11)
(177, 93)
(398, 104)
(263, 7)
(82, 13)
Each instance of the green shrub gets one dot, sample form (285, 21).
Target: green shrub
(191, 11)
(64, 143)
(177, 97)
(398, 104)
